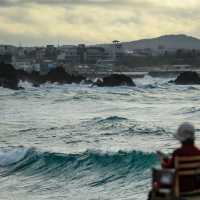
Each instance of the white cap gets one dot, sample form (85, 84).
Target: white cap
(185, 131)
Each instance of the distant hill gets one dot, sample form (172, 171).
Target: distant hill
(166, 42)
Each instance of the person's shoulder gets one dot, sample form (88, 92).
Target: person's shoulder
(177, 151)
(197, 148)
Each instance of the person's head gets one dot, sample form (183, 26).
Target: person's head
(185, 133)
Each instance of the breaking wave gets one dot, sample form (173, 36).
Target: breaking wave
(34, 162)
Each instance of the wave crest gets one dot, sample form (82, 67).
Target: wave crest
(34, 162)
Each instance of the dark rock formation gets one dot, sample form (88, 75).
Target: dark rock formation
(87, 81)
(8, 76)
(188, 77)
(115, 80)
(60, 76)
(77, 78)
(98, 82)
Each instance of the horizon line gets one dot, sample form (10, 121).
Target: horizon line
(20, 44)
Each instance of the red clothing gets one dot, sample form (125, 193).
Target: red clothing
(187, 183)
(185, 150)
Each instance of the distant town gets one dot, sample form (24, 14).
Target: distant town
(83, 59)
(80, 58)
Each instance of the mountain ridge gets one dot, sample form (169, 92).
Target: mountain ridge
(179, 41)
(168, 42)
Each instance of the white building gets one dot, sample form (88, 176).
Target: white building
(117, 50)
(25, 65)
(61, 57)
(46, 66)
(36, 67)
(8, 49)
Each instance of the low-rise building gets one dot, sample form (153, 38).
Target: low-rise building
(23, 64)
(71, 55)
(46, 66)
(6, 58)
(8, 49)
(36, 67)
(93, 54)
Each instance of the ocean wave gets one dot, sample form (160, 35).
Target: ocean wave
(154, 130)
(112, 119)
(191, 110)
(33, 162)
(118, 125)
(108, 123)
(25, 84)
(76, 97)
(150, 86)
(103, 122)
(27, 130)
(10, 157)
(158, 86)
(193, 88)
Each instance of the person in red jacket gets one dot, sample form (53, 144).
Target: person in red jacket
(186, 135)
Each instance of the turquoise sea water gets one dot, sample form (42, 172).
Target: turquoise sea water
(76, 142)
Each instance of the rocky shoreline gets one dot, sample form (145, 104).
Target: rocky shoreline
(10, 77)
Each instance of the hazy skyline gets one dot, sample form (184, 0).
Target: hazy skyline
(38, 22)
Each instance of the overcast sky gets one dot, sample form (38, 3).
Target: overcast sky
(38, 22)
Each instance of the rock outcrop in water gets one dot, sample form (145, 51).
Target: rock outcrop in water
(187, 78)
(8, 76)
(59, 75)
(115, 80)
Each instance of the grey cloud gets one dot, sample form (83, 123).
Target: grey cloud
(10, 3)
(140, 9)
(121, 4)
(128, 20)
(30, 40)
(101, 3)
(134, 14)
(22, 18)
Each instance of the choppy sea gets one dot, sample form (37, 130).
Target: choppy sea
(76, 142)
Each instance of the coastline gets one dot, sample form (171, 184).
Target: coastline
(140, 72)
